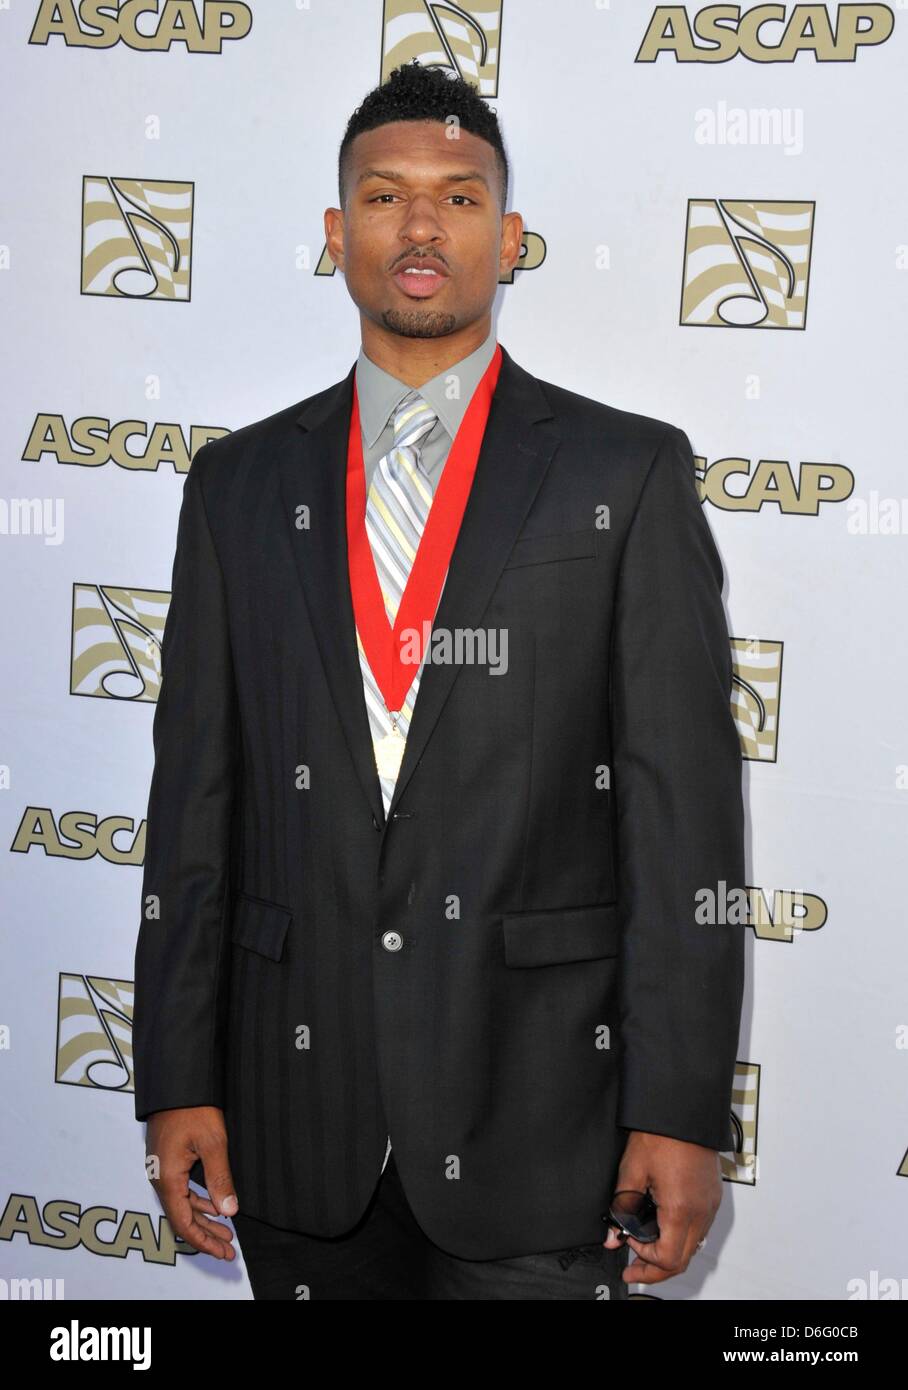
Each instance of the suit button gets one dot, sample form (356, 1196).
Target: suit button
(392, 941)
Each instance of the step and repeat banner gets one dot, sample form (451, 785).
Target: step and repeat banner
(717, 235)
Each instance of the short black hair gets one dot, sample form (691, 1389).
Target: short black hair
(414, 92)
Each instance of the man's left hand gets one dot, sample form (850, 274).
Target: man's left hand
(685, 1183)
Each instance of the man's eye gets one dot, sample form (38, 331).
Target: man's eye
(379, 196)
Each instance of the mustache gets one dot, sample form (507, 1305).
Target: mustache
(420, 256)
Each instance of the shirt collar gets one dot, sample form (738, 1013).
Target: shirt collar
(379, 393)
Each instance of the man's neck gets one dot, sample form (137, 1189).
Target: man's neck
(415, 361)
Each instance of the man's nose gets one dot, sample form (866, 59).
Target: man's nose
(421, 222)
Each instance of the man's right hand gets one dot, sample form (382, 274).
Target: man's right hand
(176, 1138)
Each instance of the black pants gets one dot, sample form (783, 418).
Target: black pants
(387, 1256)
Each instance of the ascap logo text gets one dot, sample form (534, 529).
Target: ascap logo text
(85, 834)
(62, 1225)
(762, 34)
(177, 22)
(738, 485)
(93, 440)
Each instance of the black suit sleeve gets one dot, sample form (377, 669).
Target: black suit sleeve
(182, 955)
(679, 814)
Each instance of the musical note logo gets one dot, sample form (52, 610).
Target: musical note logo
(116, 642)
(94, 1032)
(740, 1163)
(136, 238)
(756, 692)
(441, 34)
(746, 263)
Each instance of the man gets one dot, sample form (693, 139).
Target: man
(424, 974)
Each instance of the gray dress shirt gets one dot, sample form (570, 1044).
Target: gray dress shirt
(379, 394)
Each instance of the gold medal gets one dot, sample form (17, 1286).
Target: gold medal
(389, 752)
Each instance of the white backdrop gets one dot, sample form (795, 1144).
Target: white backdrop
(633, 177)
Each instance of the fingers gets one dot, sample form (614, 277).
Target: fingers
(684, 1180)
(186, 1213)
(199, 1203)
(218, 1231)
(667, 1256)
(614, 1239)
(181, 1139)
(212, 1150)
(213, 1238)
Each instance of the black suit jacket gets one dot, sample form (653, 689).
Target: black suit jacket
(554, 988)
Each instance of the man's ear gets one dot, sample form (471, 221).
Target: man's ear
(511, 242)
(334, 235)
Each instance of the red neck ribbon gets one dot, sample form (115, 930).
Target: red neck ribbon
(382, 644)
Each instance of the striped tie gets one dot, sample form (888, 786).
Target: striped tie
(396, 510)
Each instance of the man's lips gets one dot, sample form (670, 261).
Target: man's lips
(421, 281)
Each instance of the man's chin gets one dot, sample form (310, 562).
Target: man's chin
(419, 323)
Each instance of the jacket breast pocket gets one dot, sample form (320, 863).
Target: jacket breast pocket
(558, 935)
(541, 550)
(260, 925)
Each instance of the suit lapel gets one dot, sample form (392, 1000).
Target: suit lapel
(517, 447)
(313, 471)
